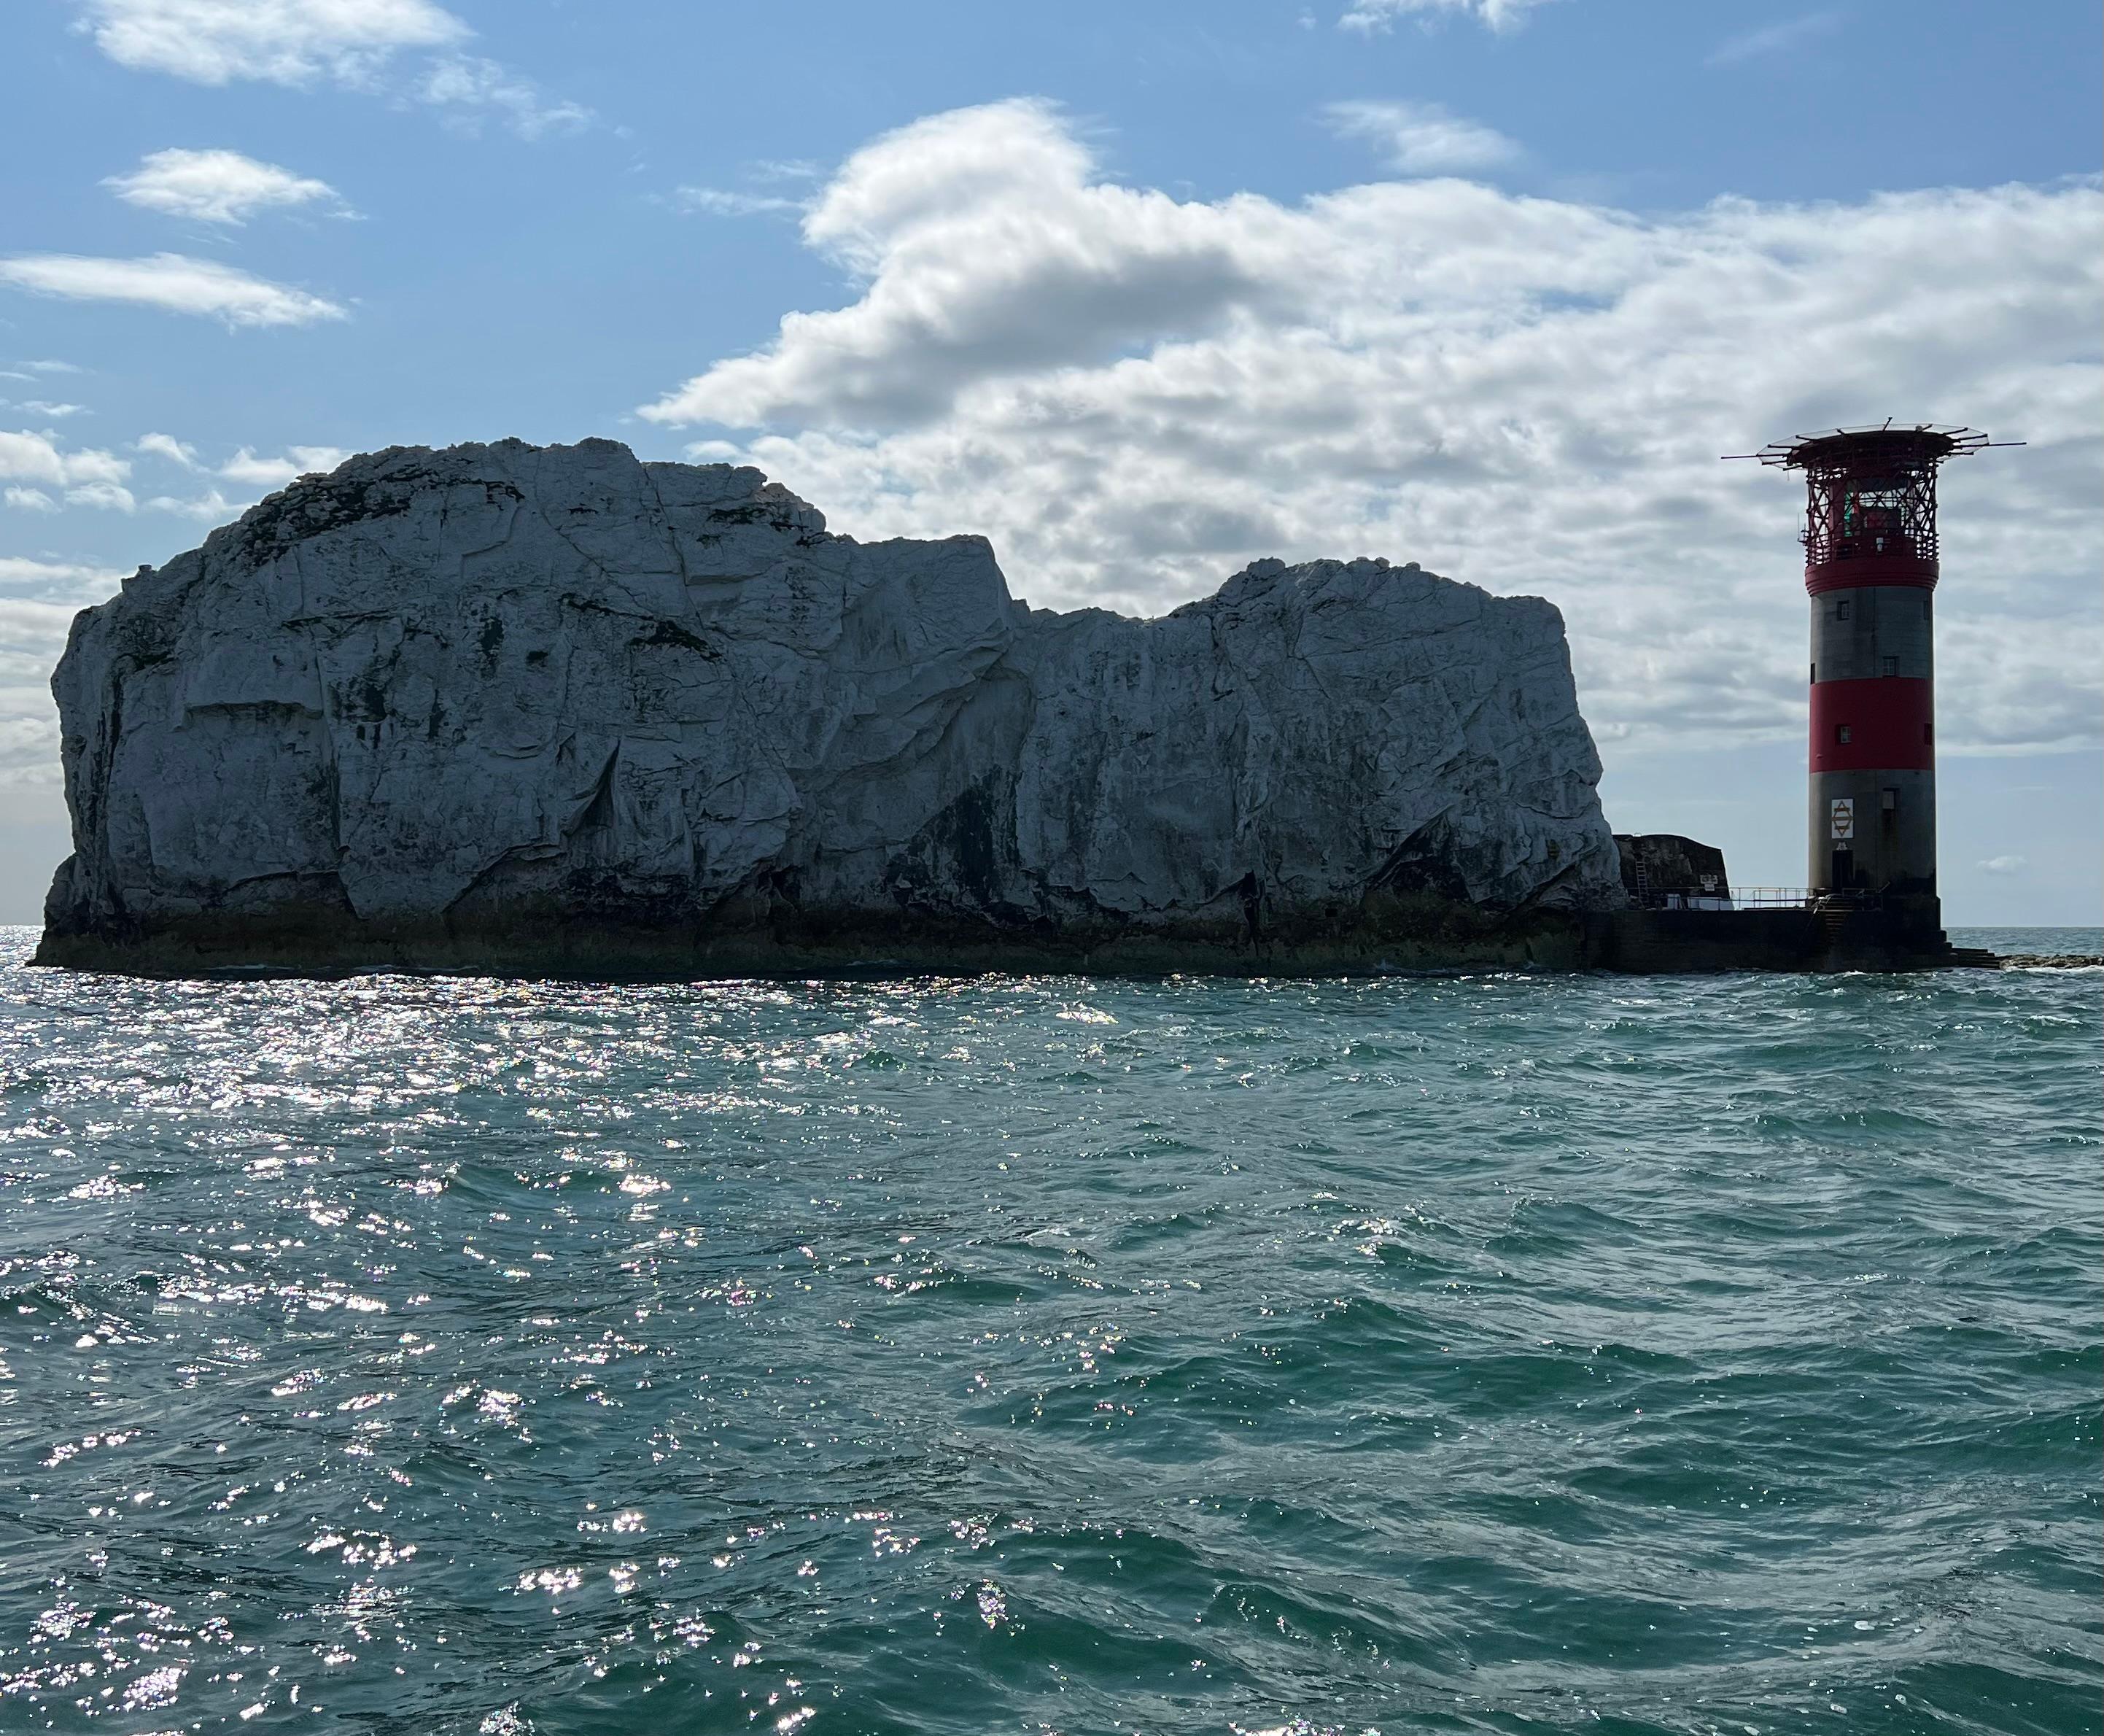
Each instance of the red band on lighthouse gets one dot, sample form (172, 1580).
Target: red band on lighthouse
(1871, 569)
(1883, 724)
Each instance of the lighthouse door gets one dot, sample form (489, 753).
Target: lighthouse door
(1843, 875)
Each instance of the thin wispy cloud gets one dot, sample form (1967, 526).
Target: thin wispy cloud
(70, 582)
(714, 202)
(469, 88)
(1422, 138)
(1374, 16)
(215, 186)
(1774, 39)
(171, 282)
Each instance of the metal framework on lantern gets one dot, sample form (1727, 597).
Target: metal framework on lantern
(1871, 492)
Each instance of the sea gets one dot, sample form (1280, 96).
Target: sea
(1506, 1353)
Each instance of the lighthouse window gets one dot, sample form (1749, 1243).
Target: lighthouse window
(1841, 609)
(1889, 666)
(1815, 672)
(1841, 732)
(1889, 801)
(1925, 729)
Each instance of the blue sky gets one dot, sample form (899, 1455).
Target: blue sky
(1141, 291)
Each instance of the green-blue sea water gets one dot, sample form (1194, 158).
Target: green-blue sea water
(1512, 1353)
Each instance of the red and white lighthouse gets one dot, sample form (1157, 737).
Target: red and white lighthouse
(1870, 565)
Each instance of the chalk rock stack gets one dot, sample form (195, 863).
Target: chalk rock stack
(551, 708)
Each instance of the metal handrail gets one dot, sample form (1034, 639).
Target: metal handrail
(1756, 897)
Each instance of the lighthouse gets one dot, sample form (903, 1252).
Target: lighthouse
(1870, 568)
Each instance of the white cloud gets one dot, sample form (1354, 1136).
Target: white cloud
(170, 281)
(283, 42)
(986, 241)
(109, 497)
(1370, 16)
(56, 412)
(36, 457)
(87, 476)
(32, 633)
(354, 43)
(244, 466)
(38, 599)
(469, 87)
(1422, 138)
(1775, 38)
(253, 476)
(1134, 395)
(211, 507)
(215, 186)
(167, 446)
(2005, 864)
(69, 581)
(714, 201)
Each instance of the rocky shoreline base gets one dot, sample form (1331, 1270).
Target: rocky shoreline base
(1407, 939)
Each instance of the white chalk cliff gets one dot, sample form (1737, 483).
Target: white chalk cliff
(509, 692)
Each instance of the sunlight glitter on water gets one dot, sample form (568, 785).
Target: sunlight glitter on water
(1491, 1353)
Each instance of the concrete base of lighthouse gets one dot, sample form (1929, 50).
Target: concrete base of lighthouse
(1902, 935)
(1675, 884)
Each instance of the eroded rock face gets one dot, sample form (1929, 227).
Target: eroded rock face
(534, 706)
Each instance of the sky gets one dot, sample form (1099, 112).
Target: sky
(1142, 291)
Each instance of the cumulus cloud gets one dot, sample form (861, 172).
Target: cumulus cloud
(215, 186)
(1371, 16)
(167, 446)
(253, 476)
(38, 599)
(1422, 138)
(354, 43)
(2004, 864)
(170, 281)
(281, 42)
(1134, 395)
(87, 476)
(988, 245)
